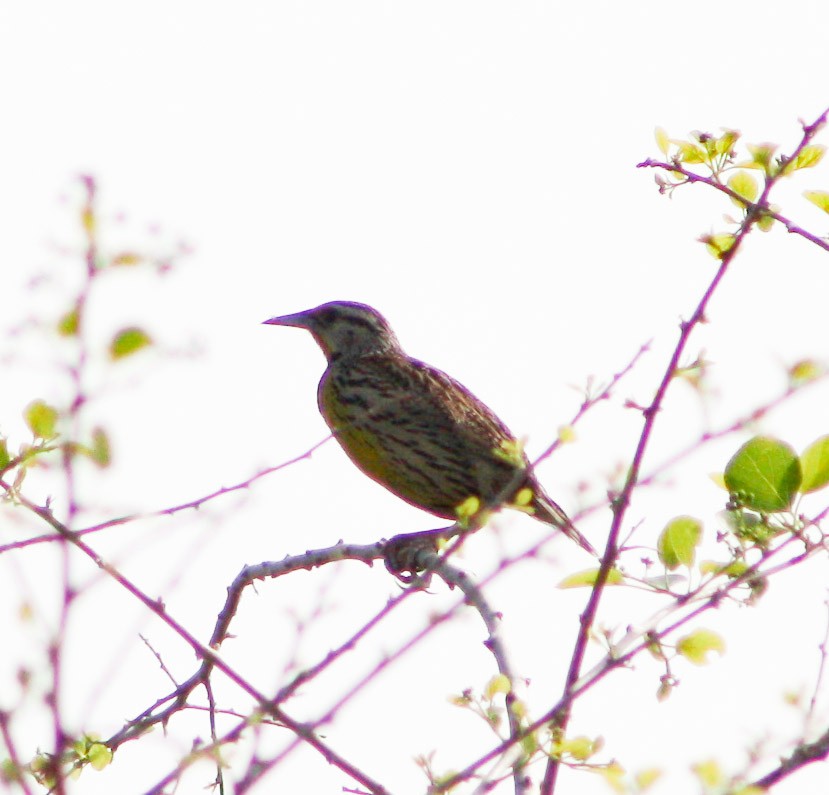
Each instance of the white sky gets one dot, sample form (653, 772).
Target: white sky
(469, 169)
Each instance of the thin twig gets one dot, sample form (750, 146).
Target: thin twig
(804, 754)
(620, 503)
(823, 648)
(635, 642)
(474, 596)
(18, 766)
(170, 511)
(204, 652)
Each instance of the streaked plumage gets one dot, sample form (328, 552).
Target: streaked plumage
(411, 427)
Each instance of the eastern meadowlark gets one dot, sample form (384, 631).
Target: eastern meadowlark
(414, 429)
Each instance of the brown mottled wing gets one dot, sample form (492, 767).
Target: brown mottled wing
(426, 438)
(416, 431)
(483, 424)
(479, 431)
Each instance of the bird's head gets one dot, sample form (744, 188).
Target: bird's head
(344, 329)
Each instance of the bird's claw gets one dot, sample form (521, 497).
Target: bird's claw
(408, 555)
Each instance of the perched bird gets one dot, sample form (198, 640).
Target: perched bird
(414, 429)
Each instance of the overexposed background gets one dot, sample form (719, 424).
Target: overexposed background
(469, 169)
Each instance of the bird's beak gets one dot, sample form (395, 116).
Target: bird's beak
(300, 320)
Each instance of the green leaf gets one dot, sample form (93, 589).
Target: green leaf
(126, 258)
(4, 454)
(718, 479)
(529, 744)
(42, 767)
(815, 465)
(579, 748)
(718, 245)
(820, 198)
(68, 324)
(467, 510)
(646, 778)
(765, 222)
(764, 474)
(99, 755)
(41, 419)
(743, 184)
(10, 773)
(804, 372)
(696, 646)
(128, 341)
(808, 157)
(566, 434)
(732, 570)
(662, 140)
(725, 143)
(587, 577)
(511, 451)
(499, 683)
(100, 450)
(88, 220)
(709, 774)
(690, 152)
(752, 164)
(750, 526)
(762, 154)
(614, 775)
(678, 541)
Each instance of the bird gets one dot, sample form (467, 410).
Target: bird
(414, 429)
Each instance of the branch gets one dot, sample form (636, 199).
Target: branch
(474, 596)
(628, 648)
(18, 767)
(620, 504)
(206, 653)
(737, 425)
(192, 504)
(591, 400)
(760, 207)
(804, 754)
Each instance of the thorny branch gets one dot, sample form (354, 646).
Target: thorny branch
(804, 754)
(171, 511)
(621, 501)
(426, 561)
(204, 652)
(634, 643)
(761, 207)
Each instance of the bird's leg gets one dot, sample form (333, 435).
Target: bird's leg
(408, 554)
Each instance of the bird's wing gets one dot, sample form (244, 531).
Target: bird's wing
(475, 423)
(440, 408)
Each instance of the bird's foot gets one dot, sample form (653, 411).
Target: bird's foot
(408, 555)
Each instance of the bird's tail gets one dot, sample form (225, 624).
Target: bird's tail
(548, 511)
